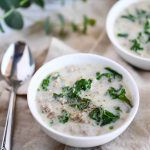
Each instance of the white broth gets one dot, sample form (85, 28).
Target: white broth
(85, 100)
(132, 28)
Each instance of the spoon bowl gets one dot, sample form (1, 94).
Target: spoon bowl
(17, 63)
(16, 67)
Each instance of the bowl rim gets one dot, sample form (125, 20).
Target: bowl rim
(110, 20)
(126, 123)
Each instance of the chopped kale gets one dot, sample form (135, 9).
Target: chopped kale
(55, 76)
(147, 27)
(98, 75)
(129, 17)
(102, 116)
(141, 14)
(45, 83)
(55, 95)
(81, 103)
(111, 74)
(64, 117)
(96, 114)
(115, 73)
(107, 75)
(108, 117)
(68, 92)
(83, 84)
(73, 94)
(118, 109)
(123, 35)
(75, 90)
(136, 45)
(140, 37)
(119, 94)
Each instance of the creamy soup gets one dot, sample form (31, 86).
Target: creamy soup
(85, 100)
(132, 28)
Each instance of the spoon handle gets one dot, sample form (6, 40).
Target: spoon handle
(7, 135)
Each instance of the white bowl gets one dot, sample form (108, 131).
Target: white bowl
(78, 59)
(140, 62)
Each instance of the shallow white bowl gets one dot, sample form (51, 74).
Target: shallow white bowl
(78, 59)
(137, 61)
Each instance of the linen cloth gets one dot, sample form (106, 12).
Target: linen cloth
(27, 133)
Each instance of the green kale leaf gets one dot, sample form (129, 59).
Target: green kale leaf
(81, 103)
(119, 94)
(75, 90)
(73, 94)
(111, 74)
(147, 27)
(45, 83)
(136, 45)
(129, 17)
(82, 84)
(64, 117)
(123, 35)
(102, 116)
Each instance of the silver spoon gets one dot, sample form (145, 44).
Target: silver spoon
(16, 67)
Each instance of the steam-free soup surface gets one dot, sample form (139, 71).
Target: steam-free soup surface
(84, 100)
(132, 28)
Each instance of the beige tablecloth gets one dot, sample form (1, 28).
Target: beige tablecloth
(27, 134)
